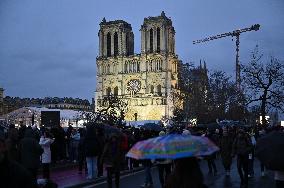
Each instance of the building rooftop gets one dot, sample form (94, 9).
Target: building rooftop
(158, 18)
(115, 22)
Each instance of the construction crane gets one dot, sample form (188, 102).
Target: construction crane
(236, 34)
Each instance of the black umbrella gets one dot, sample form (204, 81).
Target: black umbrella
(270, 150)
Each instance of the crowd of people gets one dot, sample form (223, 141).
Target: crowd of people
(23, 151)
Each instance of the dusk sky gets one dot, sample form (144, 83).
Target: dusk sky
(49, 47)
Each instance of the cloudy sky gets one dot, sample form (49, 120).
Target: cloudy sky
(49, 47)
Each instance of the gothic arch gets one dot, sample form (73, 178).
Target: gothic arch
(115, 42)
(159, 90)
(108, 91)
(152, 89)
(151, 40)
(108, 44)
(115, 91)
(158, 40)
(125, 67)
(108, 68)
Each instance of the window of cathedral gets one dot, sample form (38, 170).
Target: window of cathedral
(151, 40)
(108, 45)
(151, 65)
(130, 66)
(127, 44)
(108, 91)
(115, 40)
(135, 66)
(115, 92)
(159, 65)
(159, 90)
(108, 69)
(138, 66)
(158, 40)
(152, 89)
(125, 67)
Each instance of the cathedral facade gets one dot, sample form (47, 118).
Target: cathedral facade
(144, 81)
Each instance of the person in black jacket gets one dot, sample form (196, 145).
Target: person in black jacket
(30, 152)
(186, 174)
(241, 147)
(91, 147)
(12, 174)
(81, 151)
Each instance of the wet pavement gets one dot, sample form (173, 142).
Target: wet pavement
(70, 177)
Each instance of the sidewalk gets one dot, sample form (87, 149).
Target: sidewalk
(66, 175)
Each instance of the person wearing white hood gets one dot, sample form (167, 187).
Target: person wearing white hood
(45, 142)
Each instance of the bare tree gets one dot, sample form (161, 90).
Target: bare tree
(264, 83)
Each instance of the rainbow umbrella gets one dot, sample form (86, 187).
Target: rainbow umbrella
(172, 146)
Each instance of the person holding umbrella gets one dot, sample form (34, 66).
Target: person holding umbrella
(186, 174)
(242, 146)
(182, 148)
(269, 150)
(164, 167)
(111, 158)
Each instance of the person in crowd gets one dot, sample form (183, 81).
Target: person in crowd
(12, 144)
(36, 131)
(211, 158)
(68, 138)
(186, 174)
(81, 151)
(12, 174)
(242, 146)
(147, 164)
(22, 130)
(124, 148)
(91, 147)
(226, 143)
(74, 142)
(30, 152)
(45, 142)
(279, 179)
(262, 133)
(131, 142)
(164, 167)
(112, 157)
(101, 140)
(251, 155)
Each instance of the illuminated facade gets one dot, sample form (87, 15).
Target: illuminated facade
(144, 81)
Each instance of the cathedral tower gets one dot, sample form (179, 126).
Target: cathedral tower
(157, 35)
(144, 81)
(115, 38)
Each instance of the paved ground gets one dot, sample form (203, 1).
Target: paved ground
(219, 181)
(70, 176)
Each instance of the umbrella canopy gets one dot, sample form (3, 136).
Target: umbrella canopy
(269, 150)
(172, 146)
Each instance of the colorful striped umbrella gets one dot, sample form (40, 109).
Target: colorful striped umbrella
(172, 146)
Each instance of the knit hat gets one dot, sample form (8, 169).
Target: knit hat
(162, 133)
(186, 132)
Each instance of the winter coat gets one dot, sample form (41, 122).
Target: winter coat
(91, 143)
(45, 144)
(12, 144)
(30, 151)
(112, 155)
(12, 174)
(226, 143)
(242, 145)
